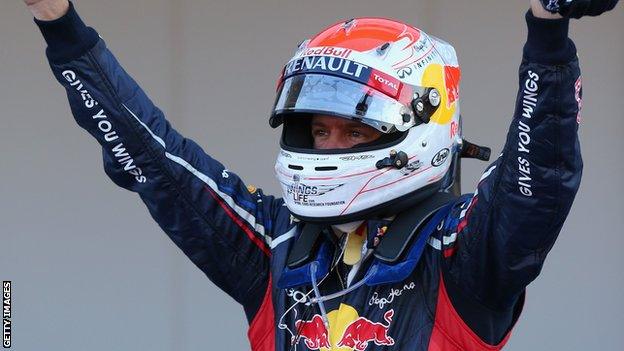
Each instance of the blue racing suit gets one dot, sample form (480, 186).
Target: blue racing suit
(464, 292)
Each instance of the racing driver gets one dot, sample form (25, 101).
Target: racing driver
(371, 246)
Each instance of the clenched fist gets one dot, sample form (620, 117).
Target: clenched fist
(47, 10)
(579, 8)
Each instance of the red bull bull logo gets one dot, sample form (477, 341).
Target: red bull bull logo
(313, 332)
(361, 332)
(451, 79)
(357, 334)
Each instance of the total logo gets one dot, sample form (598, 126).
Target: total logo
(385, 83)
(347, 331)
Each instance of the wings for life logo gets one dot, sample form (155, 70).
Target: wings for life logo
(304, 194)
(347, 331)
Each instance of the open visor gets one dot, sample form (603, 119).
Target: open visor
(333, 95)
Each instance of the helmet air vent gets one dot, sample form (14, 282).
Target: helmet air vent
(325, 168)
(382, 49)
(348, 25)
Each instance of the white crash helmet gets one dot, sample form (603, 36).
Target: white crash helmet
(388, 75)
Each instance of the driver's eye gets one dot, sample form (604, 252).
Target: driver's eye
(356, 134)
(319, 132)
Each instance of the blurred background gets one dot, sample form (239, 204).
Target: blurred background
(92, 271)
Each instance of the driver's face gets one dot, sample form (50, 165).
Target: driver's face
(331, 132)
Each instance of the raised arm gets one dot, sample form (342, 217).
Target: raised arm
(205, 209)
(506, 229)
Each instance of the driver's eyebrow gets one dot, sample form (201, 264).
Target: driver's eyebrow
(318, 124)
(347, 124)
(355, 124)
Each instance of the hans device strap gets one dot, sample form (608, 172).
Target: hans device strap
(401, 232)
(406, 226)
(306, 246)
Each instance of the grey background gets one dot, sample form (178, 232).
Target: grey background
(90, 269)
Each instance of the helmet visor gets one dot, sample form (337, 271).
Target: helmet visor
(332, 95)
